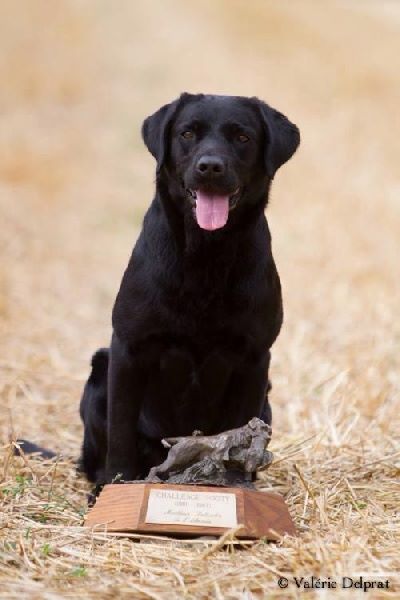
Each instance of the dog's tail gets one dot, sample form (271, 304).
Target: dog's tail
(26, 447)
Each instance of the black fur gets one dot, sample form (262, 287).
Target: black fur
(31, 448)
(197, 311)
(93, 411)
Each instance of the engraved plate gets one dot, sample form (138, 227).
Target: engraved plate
(173, 507)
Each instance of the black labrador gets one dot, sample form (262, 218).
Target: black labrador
(199, 305)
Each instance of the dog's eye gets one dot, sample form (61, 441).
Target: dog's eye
(242, 138)
(188, 135)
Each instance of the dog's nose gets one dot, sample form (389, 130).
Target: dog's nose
(210, 166)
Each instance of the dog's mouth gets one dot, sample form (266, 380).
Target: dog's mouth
(212, 210)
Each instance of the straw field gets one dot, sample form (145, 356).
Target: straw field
(77, 79)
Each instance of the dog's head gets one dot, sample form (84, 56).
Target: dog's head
(218, 154)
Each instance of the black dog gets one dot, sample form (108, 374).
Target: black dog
(199, 305)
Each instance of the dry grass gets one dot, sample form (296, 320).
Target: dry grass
(77, 79)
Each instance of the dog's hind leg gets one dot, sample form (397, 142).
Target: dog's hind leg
(93, 411)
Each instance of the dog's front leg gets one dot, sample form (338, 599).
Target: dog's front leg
(247, 394)
(124, 394)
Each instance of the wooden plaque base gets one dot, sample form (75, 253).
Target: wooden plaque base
(126, 508)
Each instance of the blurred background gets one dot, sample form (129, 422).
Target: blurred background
(77, 79)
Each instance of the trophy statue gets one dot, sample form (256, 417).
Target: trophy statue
(204, 487)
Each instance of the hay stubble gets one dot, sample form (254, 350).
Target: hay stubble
(74, 183)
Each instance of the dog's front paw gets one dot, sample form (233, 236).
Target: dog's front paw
(93, 495)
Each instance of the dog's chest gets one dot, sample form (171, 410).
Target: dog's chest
(213, 288)
(208, 304)
(209, 295)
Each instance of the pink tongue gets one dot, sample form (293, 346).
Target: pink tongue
(211, 211)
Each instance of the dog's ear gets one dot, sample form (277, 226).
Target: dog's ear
(283, 137)
(156, 128)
